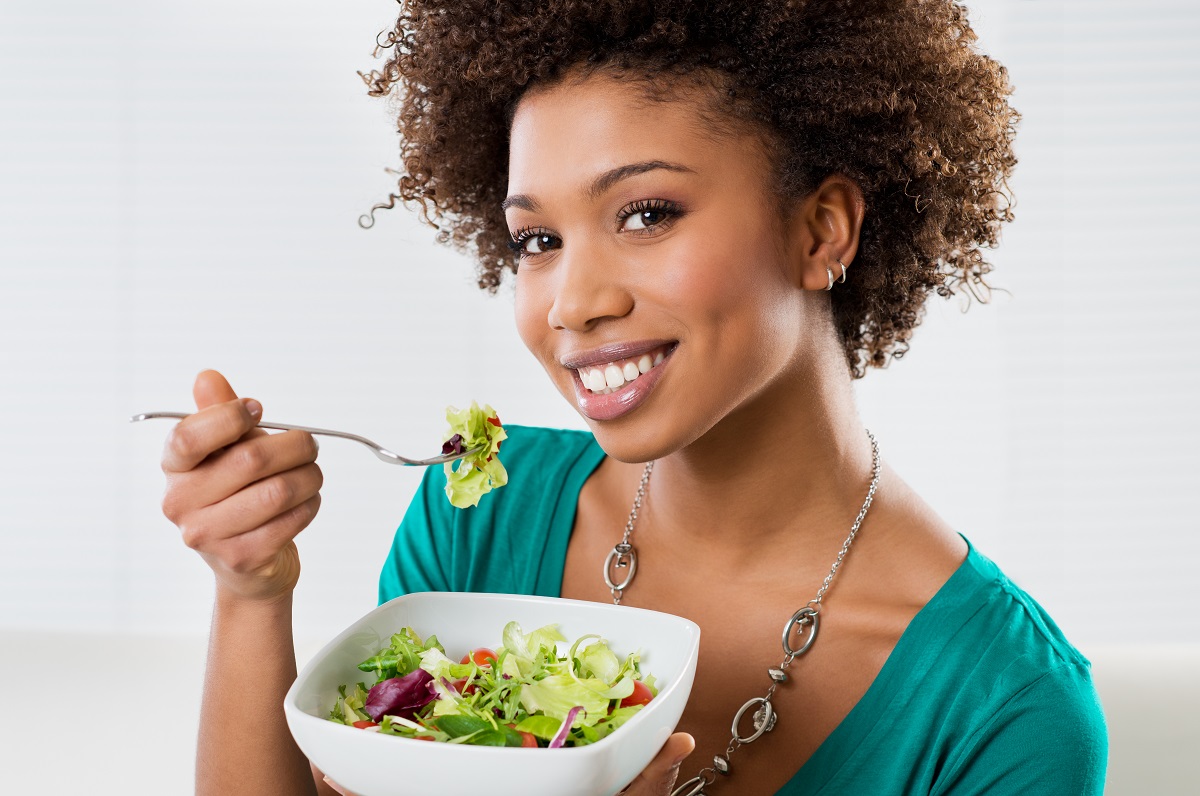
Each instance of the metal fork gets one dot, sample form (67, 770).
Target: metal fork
(380, 451)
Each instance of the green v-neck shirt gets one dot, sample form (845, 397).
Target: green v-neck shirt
(981, 695)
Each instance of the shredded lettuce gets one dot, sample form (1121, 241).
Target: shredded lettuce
(470, 478)
(349, 708)
(524, 651)
(402, 656)
(561, 700)
(614, 720)
(435, 662)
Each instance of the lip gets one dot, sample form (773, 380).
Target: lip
(611, 353)
(628, 397)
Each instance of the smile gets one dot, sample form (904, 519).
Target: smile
(609, 390)
(607, 378)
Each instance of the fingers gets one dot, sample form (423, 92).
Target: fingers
(326, 786)
(257, 552)
(209, 430)
(658, 778)
(229, 470)
(337, 788)
(238, 495)
(255, 505)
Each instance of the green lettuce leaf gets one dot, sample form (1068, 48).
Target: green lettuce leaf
(614, 720)
(557, 694)
(337, 715)
(525, 656)
(470, 478)
(354, 704)
(543, 727)
(597, 659)
(478, 732)
(349, 708)
(436, 663)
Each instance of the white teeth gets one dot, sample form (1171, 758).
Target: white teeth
(609, 378)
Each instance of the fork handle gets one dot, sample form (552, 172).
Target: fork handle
(380, 452)
(274, 426)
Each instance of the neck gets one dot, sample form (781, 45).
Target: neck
(797, 480)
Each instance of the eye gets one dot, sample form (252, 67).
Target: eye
(647, 215)
(529, 241)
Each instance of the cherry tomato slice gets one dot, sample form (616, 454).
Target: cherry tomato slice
(362, 725)
(482, 657)
(528, 739)
(641, 695)
(463, 688)
(423, 738)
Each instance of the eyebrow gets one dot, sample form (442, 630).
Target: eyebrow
(601, 184)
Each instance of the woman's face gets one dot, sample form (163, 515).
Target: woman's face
(645, 238)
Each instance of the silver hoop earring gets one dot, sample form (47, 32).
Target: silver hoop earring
(829, 271)
(842, 278)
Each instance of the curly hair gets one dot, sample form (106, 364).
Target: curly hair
(891, 94)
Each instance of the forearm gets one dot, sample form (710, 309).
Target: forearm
(244, 745)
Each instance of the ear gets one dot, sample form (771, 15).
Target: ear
(823, 228)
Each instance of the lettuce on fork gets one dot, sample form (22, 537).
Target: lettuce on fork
(470, 478)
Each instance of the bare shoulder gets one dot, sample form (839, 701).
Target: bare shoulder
(906, 549)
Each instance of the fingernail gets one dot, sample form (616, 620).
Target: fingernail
(254, 408)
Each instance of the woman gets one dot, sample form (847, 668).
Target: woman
(718, 216)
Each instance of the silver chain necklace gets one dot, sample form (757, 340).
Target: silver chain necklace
(805, 620)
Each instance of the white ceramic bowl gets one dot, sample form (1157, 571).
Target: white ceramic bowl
(370, 764)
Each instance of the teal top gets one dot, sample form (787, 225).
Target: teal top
(982, 694)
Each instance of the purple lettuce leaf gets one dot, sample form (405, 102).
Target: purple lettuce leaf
(400, 696)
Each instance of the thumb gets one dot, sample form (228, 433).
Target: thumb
(659, 777)
(212, 388)
(677, 748)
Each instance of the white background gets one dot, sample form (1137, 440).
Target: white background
(179, 189)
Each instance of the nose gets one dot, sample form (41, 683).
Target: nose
(588, 287)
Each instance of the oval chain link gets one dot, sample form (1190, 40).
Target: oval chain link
(623, 555)
(764, 718)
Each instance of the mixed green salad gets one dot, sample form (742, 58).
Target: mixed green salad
(522, 694)
(471, 477)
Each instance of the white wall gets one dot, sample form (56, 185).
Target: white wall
(179, 189)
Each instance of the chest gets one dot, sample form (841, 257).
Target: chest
(741, 619)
